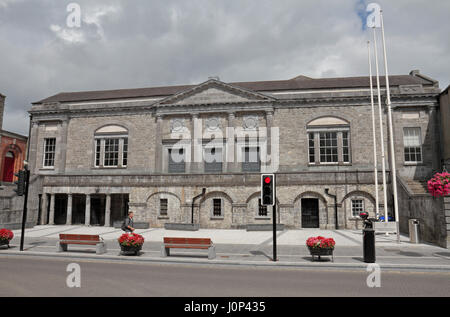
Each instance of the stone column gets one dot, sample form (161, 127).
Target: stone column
(87, 217)
(33, 160)
(231, 145)
(158, 145)
(434, 138)
(51, 220)
(108, 211)
(44, 209)
(69, 209)
(63, 145)
(196, 132)
(269, 124)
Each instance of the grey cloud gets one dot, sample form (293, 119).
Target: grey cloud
(152, 43)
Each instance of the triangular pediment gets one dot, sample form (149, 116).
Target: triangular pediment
(214, 92)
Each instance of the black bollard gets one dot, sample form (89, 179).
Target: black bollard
(369, 245)
(368, 238)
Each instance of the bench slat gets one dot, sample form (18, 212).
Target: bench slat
(79, 242)
(187, 241)
(79, 237)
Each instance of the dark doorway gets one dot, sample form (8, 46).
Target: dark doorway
(8, 167)
(38, 221)
(119, 207)
(78, 209)
(98, 207)
(60, 209)
(310, 213)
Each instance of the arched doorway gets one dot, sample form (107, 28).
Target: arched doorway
(8, 167)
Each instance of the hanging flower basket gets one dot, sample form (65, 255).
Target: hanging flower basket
(320, 246)
(439, 185)
(6, 236)
(131, 243)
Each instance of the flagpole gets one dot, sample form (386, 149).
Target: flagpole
(391, 132)
(374, 134)
(383, 157)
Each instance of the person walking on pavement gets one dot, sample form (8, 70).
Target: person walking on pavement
(128, 224)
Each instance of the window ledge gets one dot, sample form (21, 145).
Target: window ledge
(216, 218)
(163, 217)
(413, 164)
(263, 218)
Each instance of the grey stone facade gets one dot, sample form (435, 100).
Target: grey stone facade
(152, 121)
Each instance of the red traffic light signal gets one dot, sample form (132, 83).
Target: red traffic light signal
(267, 189)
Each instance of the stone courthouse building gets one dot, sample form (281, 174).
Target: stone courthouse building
(94, 155)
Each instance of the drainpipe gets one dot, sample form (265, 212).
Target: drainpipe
(335, 206)
(193, 201)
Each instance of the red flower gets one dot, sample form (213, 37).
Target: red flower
(320, 242)
(439, 185)
(131, 239)
(6, 234)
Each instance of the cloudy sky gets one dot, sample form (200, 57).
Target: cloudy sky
(144, 43)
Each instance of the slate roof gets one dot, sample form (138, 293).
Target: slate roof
(297, 83)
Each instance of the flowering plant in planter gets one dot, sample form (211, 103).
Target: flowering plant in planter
(131, 240)
(320, 243)
(6, 235)
(439, 185)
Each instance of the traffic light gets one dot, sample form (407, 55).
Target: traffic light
(20, 183)
(267, 189)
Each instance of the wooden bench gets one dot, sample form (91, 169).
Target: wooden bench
(188, 243)
(83, 239)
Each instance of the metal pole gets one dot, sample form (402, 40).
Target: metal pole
(274, 212)
(24, 216)
(391, 132)
(375, 163)
(383, 158)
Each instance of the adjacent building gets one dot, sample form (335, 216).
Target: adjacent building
(96, 154)
(13, 149)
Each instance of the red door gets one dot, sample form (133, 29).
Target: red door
(8, 169)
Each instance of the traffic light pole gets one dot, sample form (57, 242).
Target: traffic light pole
(24, 216)
(274, 213)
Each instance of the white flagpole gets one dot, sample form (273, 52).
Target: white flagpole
(383, 158)
(375, 164)
(391, 133)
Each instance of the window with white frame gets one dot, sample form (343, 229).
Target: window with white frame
(177, 160)
(213, 160)
(49, 152)
(251, 160)
(111, 147)
(328, 147)
(311, 147)
(412, 145)
(328, 141)
(357, 207)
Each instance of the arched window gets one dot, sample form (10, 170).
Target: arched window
(329, 141)
(111, 146)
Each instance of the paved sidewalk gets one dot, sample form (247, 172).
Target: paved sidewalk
(239, 247)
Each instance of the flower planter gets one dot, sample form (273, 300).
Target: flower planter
(320, 246)
(130, 250)
(321, 252)
(6, 236)
(130, 243)
(4, 242)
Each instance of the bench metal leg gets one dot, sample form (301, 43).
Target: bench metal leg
(61, 247)
(211, 253)
(100, 248)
